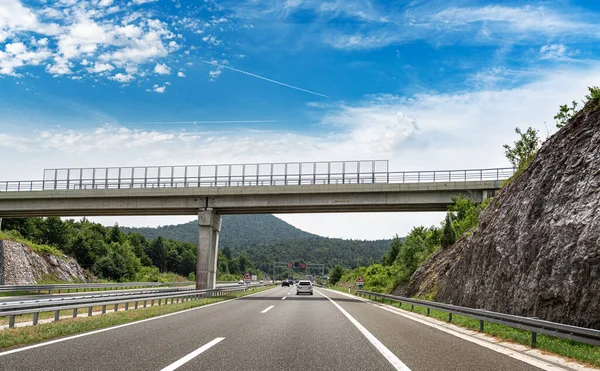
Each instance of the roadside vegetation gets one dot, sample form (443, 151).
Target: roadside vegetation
(20, 336)
(407, 254)
(114, 256)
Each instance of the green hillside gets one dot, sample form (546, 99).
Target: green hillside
(236, 230)
(265, 238)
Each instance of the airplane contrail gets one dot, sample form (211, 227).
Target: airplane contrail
(203, 122)
(266, 79)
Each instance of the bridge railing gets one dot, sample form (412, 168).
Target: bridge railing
(261, 180)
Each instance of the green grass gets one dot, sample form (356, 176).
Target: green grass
(10, 338)
(40, 249)
(579, 352)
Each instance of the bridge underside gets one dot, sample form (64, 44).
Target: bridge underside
(211, 204)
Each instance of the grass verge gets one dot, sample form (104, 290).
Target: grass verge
(10, 338)
(578, 352)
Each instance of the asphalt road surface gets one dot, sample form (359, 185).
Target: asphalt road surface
(272, 330)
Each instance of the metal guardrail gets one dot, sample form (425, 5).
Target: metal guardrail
(259, 180)
(25, 300)
(88, 286)
(90, 303)
(536, 326)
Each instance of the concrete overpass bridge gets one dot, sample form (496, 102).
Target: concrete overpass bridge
(215, 190)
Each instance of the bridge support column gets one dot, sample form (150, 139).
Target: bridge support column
(209, 222)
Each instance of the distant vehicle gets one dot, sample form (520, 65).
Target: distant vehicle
(261, 281)
(304, 287)
(240, 282)
(285, 283)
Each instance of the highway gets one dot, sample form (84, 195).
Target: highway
(270, 330)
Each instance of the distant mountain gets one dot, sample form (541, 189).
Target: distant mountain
(236, 230)
(265, 238)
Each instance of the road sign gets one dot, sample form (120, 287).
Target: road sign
(359, 279)
(302, 265)
(289, 264)
(247, 277)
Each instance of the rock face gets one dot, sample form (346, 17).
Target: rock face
(19, 265)
(536, 251)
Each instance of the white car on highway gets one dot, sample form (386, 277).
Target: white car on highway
(304, 287)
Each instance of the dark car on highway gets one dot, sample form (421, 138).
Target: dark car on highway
(285, 283)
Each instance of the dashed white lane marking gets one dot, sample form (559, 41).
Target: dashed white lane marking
(391, 357)
(284, 298)
(175, 365)
(120, 326)
(268, 309)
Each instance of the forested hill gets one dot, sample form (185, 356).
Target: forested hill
(236, 231)
(265, 238)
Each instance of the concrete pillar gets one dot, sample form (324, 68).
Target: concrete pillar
(209, 223)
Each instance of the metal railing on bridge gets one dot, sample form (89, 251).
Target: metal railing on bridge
(276, 174)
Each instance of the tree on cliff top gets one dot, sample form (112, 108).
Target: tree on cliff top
(524, 150)
(448, 233)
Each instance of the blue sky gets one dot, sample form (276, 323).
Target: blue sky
(425, 84)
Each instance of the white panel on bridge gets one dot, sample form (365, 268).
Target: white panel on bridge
(74, 178)
(165, 176)
(87, 178)
(208, 174)
(322, 173)
(278, 174)
(178, 174)
(223, 175)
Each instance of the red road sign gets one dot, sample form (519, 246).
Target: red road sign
(247, 277)
(302, 265)
(290, 264)
(359, 278)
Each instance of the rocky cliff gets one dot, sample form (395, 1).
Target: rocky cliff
(19, 265)
(536, 251)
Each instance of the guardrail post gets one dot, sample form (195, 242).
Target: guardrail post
(126, 306)
(56, 315)
(533, 339)
(90, 311)
(135, 305)
(450, 317)
(412, 307)
(74, 312)
(481, 325)
(144, 303)
(152, 303)
(428, 311)
(11, 321)
(116, 308)
(159, 301)
(35, 318)
(104, 309)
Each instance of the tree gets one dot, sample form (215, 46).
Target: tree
(524, 150)
(448, 234)
(336, 274)
(565, 114)
(390, 256)
(157, 252)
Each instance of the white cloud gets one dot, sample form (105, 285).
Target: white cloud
(84, 33)
(553, 51)
(101, 67)
(120, 77)
(214, 75)
(159, 89)
(140, 2)
(180, 74)
(162, 69)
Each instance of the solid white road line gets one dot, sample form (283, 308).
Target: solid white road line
(268, 309)
(192, 355)
(518, 355)
(119, 326)
(391, 357)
